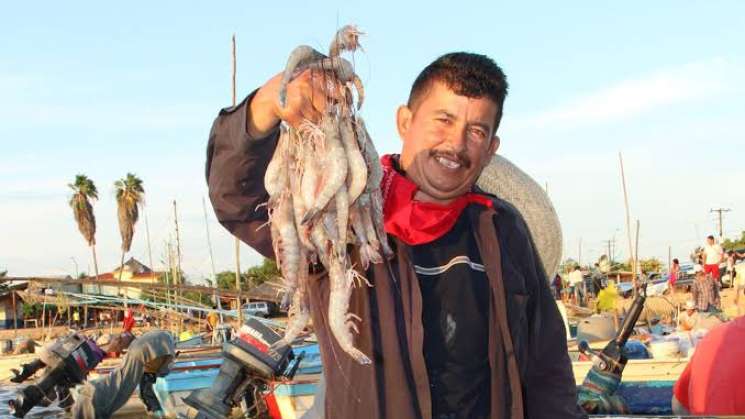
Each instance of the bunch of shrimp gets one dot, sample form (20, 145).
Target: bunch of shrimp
(324, 193)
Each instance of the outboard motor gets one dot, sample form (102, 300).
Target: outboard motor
(251, 361)
(597, 393)
(68, 362)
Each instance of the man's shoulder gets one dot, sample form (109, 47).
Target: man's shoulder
(506, 212)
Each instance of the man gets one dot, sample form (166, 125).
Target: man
(705, 293)
(739, 284)
(711, 383)
(148, 357)
(575, 285)
(688, 320)
(447, 340)
(713, 256)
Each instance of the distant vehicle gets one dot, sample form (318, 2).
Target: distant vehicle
(260, 308)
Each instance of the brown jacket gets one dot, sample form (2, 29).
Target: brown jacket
(531, 371)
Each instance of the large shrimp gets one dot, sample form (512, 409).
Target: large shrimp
(298, 165)
(341, 200)
(335, 167)
(344, 72)
(368, 253)
(374, 169)
(376, 209)
(299, 312)
(341, 322)
(287, 244)
(276, 176)
(357, 179)
(299, 59)
(347, 38)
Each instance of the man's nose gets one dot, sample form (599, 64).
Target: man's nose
(458, 140)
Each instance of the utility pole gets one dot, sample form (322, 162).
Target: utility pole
(719, 212)
(212, 260)
(611, 243)
(147, 233)
(237, 241)
(177, 275)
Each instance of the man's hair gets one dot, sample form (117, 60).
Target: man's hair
(710, 237)
(466, 74)
(675, 260)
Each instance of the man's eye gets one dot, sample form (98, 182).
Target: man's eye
(443, 121)
(478, 133)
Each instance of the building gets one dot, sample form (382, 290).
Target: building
(8, 291)
(133, 271)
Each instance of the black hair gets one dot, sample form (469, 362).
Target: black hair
(467, 74)
(710, 237)
(675, 261)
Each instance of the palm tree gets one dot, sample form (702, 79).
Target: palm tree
(129, 196)
(83, 191)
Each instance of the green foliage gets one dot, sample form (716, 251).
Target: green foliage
(3, 273)
(729, 244)
(267, 271)
(84, 190)
(31, 310)
(226, 280)
(567, 265)
(650, 265)
(130, 194)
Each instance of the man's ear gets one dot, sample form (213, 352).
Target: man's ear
(494, 146)
(403, 120)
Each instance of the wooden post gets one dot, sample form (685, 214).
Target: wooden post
(237, 241)
(212, 260)
(15, 314)
(85, 316)
(628, 219)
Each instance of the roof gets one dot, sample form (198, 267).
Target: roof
(135, 266)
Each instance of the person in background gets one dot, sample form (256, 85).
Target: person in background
(711, 383)
(732, 258)
(713, 256)
(705, 293)
(607, 297)
(148, 357)
(688, 320)
(672, 278)
(557, 286)
(76, 319)
(575, 285)
(596, 279)
(129, 320)
(739, 284)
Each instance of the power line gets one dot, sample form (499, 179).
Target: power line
(720, 211)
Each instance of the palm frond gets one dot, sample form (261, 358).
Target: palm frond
(129, 196)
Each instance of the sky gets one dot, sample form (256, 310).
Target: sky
(106, 89)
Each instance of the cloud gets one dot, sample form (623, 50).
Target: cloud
(633, 97)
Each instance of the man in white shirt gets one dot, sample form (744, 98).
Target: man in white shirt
(575, 284)
(713, 256)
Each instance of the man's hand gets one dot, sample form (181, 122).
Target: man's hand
(306, 99)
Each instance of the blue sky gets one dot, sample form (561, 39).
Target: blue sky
(107, 89)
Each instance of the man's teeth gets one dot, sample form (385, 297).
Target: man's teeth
(450, 164)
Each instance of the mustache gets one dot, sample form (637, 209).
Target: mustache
(460, 157)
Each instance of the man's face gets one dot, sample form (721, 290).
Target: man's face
(710, 241)
(447, 141)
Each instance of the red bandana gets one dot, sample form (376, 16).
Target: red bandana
(417, 222)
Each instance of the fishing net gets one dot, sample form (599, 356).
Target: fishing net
(505, 180)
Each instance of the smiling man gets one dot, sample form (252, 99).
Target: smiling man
(460, 323)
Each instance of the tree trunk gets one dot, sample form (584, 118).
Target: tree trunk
(95, 261)
(121, 270)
